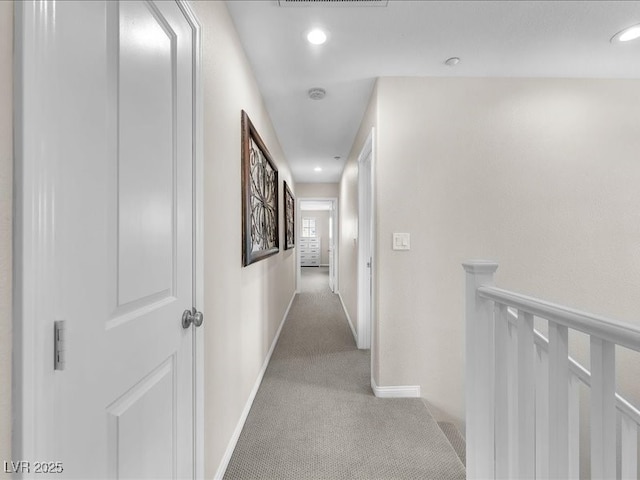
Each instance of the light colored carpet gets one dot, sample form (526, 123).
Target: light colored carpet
(455, 439)
(315, 417)
(314, 279)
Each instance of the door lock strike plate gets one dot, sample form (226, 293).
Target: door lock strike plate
(58, 344)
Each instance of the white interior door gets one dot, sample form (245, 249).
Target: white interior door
(332, 248)
(365, 245)
(113, 130)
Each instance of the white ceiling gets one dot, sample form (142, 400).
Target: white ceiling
(413, 38)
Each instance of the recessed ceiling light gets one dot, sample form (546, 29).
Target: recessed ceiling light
(337, 157)
(316, 36)
(317, 169)
(627, 34)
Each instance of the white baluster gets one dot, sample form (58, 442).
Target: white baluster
(479, 372)
(513, 400)
(542, 413)
(526, 397)
(573, 426)
(502, 391)
(558, 446)
(603, 413)
(629, 448)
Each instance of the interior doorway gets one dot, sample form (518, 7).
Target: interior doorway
(316, 239)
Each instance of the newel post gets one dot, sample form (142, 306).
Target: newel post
(479, 377)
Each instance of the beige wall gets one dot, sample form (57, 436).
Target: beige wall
(317, 190)
(243, 306)
(348, 222)
(540, 175)
(6, 181)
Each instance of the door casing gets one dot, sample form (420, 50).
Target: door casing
(336, 229)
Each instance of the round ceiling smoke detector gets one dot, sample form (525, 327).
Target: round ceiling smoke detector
(452, 62)
(317, 93)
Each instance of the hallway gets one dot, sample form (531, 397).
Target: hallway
(315, 417)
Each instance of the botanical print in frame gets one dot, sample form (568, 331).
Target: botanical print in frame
(289, 218)
(260, 230)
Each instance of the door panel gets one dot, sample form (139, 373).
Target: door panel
(141, 428)
(146, 154)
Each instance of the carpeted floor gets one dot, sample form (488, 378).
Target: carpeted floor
(315, 416)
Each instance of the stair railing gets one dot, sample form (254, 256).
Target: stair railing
(522, 389)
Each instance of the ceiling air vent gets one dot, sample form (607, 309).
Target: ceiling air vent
(333, 3)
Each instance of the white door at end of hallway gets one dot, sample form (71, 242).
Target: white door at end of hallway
(332, 249)
(120, 143)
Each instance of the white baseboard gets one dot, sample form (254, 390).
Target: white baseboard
(400, 391)
(224, 463)
(353, 330)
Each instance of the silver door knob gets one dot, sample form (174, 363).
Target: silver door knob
(192, 316)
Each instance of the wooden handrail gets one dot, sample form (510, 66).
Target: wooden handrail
(501, 375)
(623, 334)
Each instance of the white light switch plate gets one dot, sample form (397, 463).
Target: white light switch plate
(402, 241)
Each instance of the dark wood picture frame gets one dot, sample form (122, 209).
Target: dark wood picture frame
(289, 218)
(260, 227)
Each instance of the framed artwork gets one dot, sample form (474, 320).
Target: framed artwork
(289, 218)
(260, 232)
